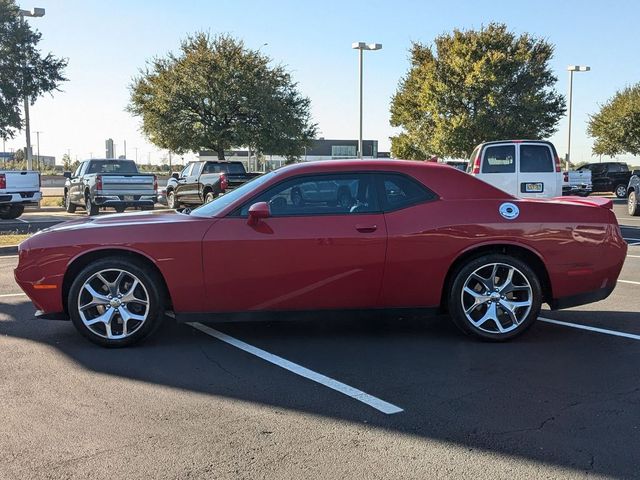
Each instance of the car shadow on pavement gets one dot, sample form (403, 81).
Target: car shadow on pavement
(555, 396)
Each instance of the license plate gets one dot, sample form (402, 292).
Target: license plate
(533, 187)
(128, 198)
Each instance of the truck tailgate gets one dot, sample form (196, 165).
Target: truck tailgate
(22, 181)
(128, 184)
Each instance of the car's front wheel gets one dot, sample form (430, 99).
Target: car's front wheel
(69, 206)
(116, 302)
(632, 204)
(172, 201)
(621, 191)
(495, 297)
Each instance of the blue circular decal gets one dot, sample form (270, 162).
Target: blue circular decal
(509, 211)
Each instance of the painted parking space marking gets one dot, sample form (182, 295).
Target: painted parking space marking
(630, 282)
(634, 256)
(7, 295)
(336, 385)
(579, 326)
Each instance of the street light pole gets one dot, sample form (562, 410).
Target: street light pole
(38, 143)
(362, 46)
(571, 69)
(36, 12)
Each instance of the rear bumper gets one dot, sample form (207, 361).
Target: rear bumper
(20, 198)
(119, 201)
(582, 298)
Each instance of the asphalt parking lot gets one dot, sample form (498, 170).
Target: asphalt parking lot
(327, 398)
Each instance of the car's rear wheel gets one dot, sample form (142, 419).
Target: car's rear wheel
(632, 204)
(92, 209)
(172, 202)
(68, 205)
(209, 197)
(115, 302)
(120, 209)
(11, 212)
(495, 297)
(621, 191)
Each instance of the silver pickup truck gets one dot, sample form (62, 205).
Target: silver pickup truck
(17, 190)
(97, 184)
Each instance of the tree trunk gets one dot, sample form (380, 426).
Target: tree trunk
(220, 150)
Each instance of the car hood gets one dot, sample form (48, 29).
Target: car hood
(124, 220)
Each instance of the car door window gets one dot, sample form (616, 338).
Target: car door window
(536, 159)
(400, 191)
(77, 172)
(499, 159)
(187, 170)
(334, 194)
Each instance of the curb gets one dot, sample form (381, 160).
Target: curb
(9, 250)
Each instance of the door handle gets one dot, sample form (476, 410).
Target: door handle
(366, 228)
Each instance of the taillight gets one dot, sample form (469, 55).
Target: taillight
(557, 164)
(99, 182)
(224, 182)
(3, 181)
(155, 184)
(476, 165)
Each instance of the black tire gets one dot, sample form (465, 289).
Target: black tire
(120, 209)
(91, 208)
(457, 300)
(632, 204)
(172, 202)
(620, 191)
(153, 288)
(12, 212)
(68, 206)
(209, 197)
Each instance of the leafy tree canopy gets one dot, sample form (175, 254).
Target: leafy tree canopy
(217, 94)
(616, 127)
(24, 71)
(474, 86)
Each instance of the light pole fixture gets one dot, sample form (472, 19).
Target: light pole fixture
(571, 69)
(36, 13)
(362, 46)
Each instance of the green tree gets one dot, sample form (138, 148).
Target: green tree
(217, 94)
(24, 71)
(474, 86)
(616, 127)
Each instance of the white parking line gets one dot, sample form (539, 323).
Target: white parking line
(343, 388)
(7, 295)
(3, 257)
(631, 282)
(634, 256)
(615, 333)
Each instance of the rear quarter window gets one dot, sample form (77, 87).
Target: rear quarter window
(499, 159)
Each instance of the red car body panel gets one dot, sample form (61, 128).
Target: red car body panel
(398, 259)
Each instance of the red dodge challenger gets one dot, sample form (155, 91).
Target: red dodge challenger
(390, 235)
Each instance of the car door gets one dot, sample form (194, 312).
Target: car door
(306, 256)
(192, 184)
(537, 176)
(181, 190)
(75, 183)
(499, 167)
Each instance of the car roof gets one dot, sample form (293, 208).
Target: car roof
(493, 142)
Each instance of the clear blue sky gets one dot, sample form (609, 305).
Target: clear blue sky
(107, 42)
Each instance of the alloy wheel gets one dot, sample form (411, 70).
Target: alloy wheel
(496, 298)
(113, 304)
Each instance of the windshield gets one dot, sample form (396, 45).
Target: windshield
(213, 208)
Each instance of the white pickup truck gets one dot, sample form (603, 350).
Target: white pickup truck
(17, 190)
(577, 182)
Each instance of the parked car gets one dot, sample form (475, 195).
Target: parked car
(17, 190)
(418, 236)
(522, 168)
(633, 194)
(101, 183)
(577, 183)
(201, 182)
(609, 177)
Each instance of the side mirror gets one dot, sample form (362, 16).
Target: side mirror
(66, 174)
(636, 172)
(175, 175)
(258, 211)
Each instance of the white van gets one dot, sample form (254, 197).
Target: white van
(523, 168)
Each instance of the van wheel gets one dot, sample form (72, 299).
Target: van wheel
(632, 204)
(621, 191)
(116, 302)
(495, 297)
